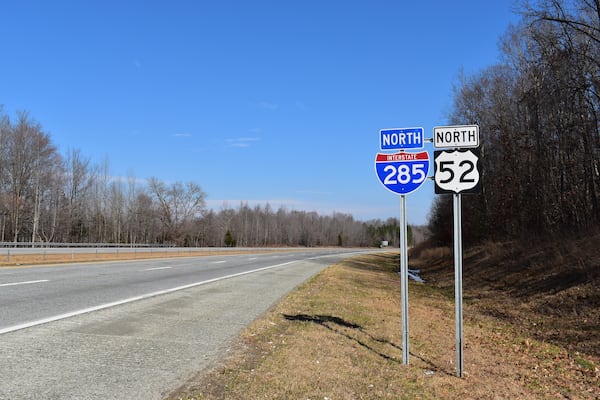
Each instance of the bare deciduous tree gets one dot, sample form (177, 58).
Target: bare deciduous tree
(29, 154)
(538, 114)
(179, 203)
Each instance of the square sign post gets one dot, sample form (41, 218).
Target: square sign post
(402, 173)
(456, 172)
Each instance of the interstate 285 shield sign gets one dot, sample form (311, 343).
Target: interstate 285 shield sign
(402, 172)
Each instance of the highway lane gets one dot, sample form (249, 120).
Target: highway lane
(32, 295)
(141, 349)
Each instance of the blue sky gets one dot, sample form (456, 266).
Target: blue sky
(257, 101)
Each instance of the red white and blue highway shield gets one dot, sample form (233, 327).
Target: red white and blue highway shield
(402, 172)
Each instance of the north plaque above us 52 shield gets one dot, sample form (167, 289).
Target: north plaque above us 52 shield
(456, 136)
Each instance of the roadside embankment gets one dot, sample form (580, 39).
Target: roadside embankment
(338, 336)
(549, 291)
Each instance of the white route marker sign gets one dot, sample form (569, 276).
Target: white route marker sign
(455, 136)
(457, 171)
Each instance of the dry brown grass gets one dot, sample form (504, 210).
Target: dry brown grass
(339, 335)
(548, 290)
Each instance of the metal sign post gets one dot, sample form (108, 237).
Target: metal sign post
(402, 173)
(404, 279)
(458, 259)
(457, 171)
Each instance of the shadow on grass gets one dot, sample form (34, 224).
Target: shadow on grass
(322, 320)
(336, 324)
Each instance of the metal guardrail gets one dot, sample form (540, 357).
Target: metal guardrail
(34, 245)
(7, 253)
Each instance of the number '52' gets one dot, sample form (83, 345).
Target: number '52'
(447, 166)
(403, 174)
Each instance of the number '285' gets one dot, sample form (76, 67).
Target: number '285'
(404, 173)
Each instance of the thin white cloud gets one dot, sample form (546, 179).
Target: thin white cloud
(314, 192)
(359, 212)
(267, 105)
(219, 204)
(242, 141)
(182, 135)
(127, 180)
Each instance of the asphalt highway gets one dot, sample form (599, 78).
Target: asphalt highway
(134, 329)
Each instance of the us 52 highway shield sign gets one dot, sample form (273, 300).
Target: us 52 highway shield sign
(457, 171)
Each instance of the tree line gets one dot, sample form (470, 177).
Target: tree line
(538, 116)
(46, 196)
(263, 226)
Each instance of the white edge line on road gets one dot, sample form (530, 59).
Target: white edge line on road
(219, 262)
(156, 269)
(24, 283)
(130, 300)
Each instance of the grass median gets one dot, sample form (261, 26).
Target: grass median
(339, 336)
